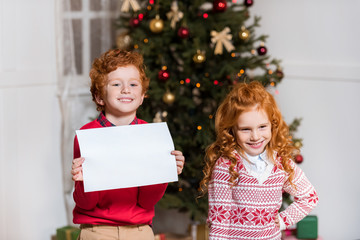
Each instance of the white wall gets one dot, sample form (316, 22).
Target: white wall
(31, 201)
(318, 43)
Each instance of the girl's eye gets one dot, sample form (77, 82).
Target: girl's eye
(116, 84)
(245, 129)
(133, 84)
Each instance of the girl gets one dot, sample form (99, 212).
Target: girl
(249, 166)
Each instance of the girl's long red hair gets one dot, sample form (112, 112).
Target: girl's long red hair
(241, 98)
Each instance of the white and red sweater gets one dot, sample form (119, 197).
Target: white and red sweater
(248, 209)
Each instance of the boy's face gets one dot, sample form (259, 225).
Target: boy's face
(123, 93)
(253, 131)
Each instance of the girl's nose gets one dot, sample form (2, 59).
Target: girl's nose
(254, 135)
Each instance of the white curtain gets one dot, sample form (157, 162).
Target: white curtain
(78, 41)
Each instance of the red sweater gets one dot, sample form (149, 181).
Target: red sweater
(118, 207)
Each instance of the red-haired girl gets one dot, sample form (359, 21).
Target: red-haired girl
(249, 166)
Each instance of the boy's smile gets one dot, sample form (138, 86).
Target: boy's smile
(253, 131)
(123, 95)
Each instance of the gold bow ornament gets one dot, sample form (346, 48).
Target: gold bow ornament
(175, 15)
(126, 5)
(220, 39)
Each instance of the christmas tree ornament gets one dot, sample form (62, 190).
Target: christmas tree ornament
(168, 97)
(157, 118)
(248, 3)
(279, 73)
(126, 5)
(123, 41)
(219, 5)
(163, 75)
(262, 49)
(298, 144)
(156, 24)
(221, 39)
(299, 158)
(183, 32)
(199, 57)
(134, 22)
(174, 15)
(244, 34)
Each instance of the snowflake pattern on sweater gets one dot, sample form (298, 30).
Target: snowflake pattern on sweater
(248, 209)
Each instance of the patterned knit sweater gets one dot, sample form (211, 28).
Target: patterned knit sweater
(248, 209)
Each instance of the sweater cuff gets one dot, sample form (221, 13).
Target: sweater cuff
(282, 224)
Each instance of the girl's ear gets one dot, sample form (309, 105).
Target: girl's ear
(99, 100)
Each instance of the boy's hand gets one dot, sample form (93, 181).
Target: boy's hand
(76, 170)
(180, 160)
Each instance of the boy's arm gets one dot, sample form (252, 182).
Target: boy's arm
(83, 200)
(150, 195)
(305, 198)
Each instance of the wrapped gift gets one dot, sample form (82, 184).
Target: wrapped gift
(160, 236)
(202, 232)
(307, 228)
(173, 236)
(67, 233)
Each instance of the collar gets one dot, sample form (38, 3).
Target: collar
(106, 123)
(262, 157)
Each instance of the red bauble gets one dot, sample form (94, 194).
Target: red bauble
(279, 74)
(134, 22)
(248, 3)
(219, 5)
(262, 50)
(163, 75)
(299, 158)
(183, 32)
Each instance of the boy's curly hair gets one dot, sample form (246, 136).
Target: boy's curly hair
(241, 98)
(110, 61)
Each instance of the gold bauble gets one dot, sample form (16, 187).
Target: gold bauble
(123, 41)
(244, 34)
(168, 98)
(298, 144)
(199, 57)
(156, 24)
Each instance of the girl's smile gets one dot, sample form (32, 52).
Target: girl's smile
(253, 131)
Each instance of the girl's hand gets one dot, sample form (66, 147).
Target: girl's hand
(277, 221)
(76, 169)
(180, 160)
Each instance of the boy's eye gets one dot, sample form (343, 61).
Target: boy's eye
(245, 129)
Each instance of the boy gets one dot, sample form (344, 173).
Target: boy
(118, 87)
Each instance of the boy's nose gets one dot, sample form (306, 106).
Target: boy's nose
(125, 89)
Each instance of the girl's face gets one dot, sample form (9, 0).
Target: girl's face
(253, 131)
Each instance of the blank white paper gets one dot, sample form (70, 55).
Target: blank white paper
(127, 156)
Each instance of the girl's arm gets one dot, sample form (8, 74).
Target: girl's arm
(220, 201)
(305, 199)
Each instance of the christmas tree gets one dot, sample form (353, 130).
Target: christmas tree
(194, 50)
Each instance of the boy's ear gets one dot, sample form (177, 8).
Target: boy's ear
(99, 100)
(142, 98)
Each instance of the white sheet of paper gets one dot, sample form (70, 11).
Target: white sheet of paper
(127, 156)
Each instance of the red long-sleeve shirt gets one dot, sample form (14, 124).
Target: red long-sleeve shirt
(117, 207)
